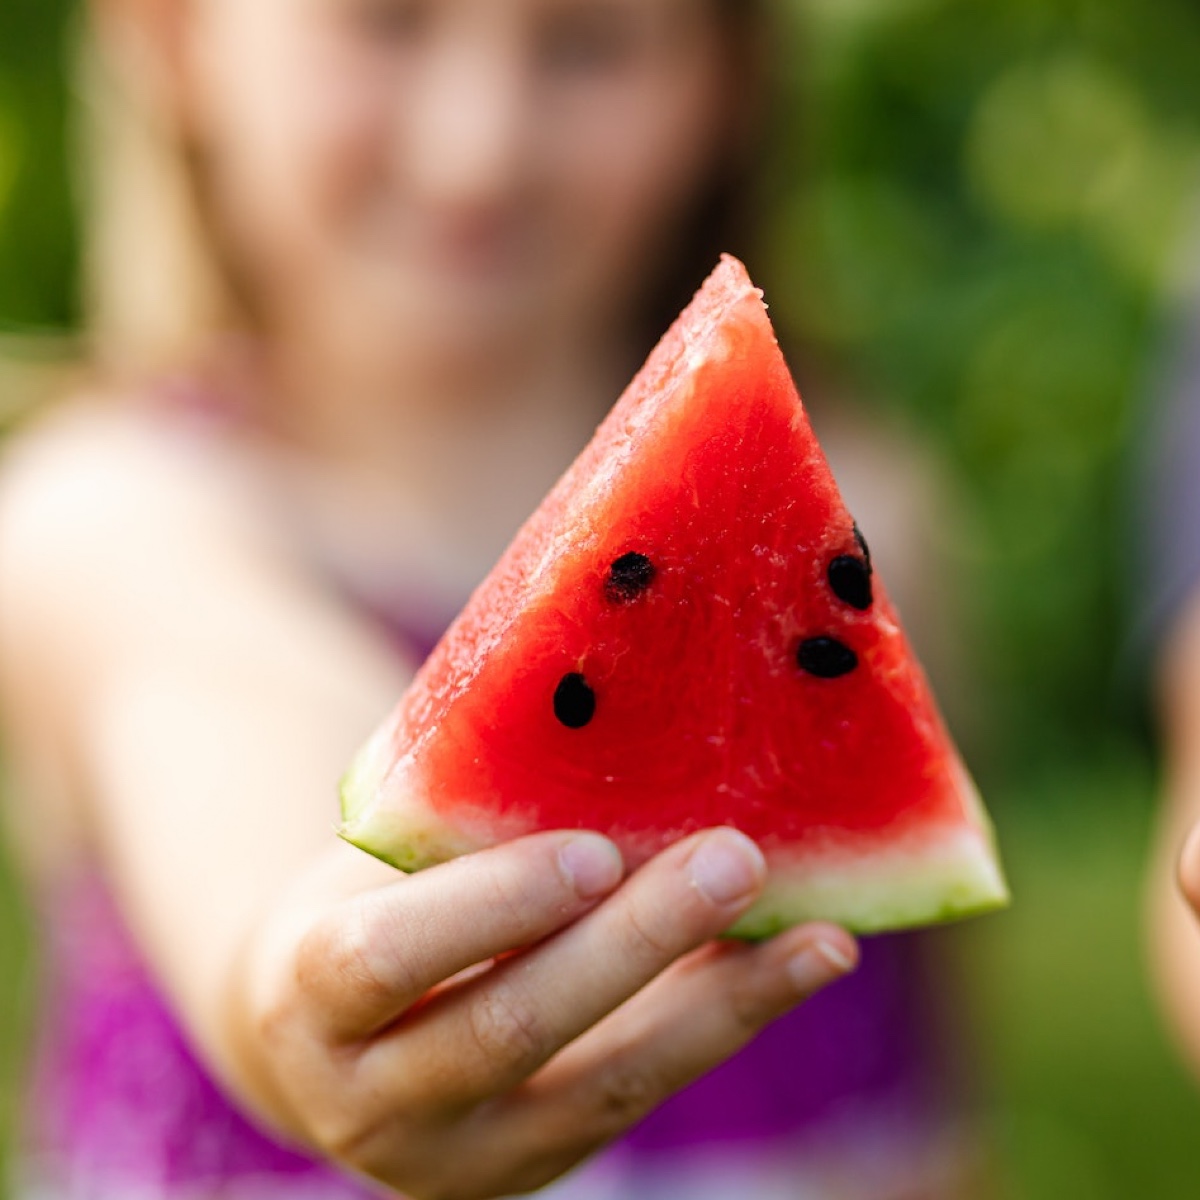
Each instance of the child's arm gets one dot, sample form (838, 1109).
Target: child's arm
(1174, 885)
(206, 696)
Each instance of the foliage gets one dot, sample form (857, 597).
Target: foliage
(37, 246)
(985, 221)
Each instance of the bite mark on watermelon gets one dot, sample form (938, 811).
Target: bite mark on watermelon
(689, 632)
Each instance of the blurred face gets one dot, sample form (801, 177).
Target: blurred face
(452, 177)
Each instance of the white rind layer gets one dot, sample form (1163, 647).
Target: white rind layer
(867, 883)
(937, 876)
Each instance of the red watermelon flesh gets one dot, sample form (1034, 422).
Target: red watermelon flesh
(688, 633)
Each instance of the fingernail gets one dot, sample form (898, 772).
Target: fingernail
(818, 964)
(727, 867)
(592, 865)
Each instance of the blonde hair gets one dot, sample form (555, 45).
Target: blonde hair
(155, 291)
(157, 288)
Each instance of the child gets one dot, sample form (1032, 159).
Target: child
(362, 281)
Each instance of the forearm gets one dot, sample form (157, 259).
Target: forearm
(213, 809)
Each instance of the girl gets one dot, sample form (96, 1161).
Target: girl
(362, 274)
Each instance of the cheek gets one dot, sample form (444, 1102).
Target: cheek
(294, 127)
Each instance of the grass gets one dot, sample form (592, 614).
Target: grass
(1087, 1101)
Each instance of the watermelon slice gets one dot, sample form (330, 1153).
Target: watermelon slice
(688, 632)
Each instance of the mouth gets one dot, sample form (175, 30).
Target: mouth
(477, 248)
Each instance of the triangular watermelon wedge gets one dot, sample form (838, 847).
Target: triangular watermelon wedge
(688, 633)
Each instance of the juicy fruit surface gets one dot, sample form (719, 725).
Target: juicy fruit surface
(687, 633)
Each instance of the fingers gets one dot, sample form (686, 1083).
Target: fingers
(477, 1073)
(489, 1035)
(378, 953)
(692, 1017)
(685, 1023)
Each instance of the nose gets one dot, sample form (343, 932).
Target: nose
(467, 124)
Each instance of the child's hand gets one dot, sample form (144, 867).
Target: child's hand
(376, 1034)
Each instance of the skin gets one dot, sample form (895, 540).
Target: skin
(1174, 880)
(185, 726)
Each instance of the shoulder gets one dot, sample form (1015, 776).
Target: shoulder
(106, 514)
(94, 467)
(95, 502)
(99, 494)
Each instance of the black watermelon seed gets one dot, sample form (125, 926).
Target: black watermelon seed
(850, 578)
(862, 544)
(826, 657)
(574, 701)
(628, 577)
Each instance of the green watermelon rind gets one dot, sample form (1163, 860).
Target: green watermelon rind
(924, 890)
(928, 877)
(974, 884)
(412, 846)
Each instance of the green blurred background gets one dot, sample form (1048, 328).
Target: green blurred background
(981, 210)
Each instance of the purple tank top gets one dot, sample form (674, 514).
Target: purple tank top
(122, 1107)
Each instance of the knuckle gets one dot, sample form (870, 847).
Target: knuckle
(343, 955)
(749, 1010)
(645, 941)
(275, 1018)
(512, 899)
(376, 1145)
(272, 1018)
(507, 1030)
(344, 1137)
(625, 1095)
